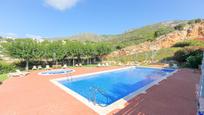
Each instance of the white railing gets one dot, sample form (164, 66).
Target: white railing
(201, 91)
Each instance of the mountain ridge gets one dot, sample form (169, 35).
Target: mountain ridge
(97, 37)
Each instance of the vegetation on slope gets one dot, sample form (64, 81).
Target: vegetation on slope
(148, 33)
(159, 55)
(131, 37)
(187, 53)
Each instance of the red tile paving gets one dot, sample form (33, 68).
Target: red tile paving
(174, 96)
(36, 95)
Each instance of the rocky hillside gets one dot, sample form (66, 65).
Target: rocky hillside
(189, 31)
(129, 37)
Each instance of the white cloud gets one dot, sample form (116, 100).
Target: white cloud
(61, 4)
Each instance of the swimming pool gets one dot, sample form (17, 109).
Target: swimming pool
(103, 89)
(58, 71)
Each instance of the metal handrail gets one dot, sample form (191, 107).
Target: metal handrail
(69, 77)
(94, 91)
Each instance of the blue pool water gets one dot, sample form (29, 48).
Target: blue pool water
(106, 88)
(54, 72)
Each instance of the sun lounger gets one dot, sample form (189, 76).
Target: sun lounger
(175, 66)
(120, 64)
(137, 63)
(99, 65)
(39, 67)
(18, 73)
(64, 66)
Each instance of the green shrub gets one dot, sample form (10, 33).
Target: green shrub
(162, 31)
(198, 20)
(119, 46)
(3, 77)
(186, 43)
(180, 27)
(181, 44)
(195, 21)
(194, 61)
(183, 54)
(6, 68)
(191, 22)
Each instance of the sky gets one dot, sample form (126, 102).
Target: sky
(58, 18)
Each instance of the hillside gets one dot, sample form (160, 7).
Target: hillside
(189, 35)
(130, 37)
(189, 31)
(140, 35)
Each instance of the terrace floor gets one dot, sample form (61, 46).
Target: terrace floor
(35, 94)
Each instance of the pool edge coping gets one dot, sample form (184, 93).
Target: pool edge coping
(119, 104)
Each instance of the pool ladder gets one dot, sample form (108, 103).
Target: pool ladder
(69, 78)
(94, 91)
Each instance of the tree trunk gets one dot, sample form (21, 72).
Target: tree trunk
(46, 61)
(69, 62)
(94, 60)
(27, 65)
(87, 61)
(78, 59)
(90, 61)
(73, 62)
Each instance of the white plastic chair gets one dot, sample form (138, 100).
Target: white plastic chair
(34, 68)
(47, 67)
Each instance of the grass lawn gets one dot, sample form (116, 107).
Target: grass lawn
(3, 77)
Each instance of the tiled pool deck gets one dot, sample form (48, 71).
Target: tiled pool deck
(36, 95)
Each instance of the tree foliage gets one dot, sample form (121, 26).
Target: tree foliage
(57, 51)
(25, 49)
